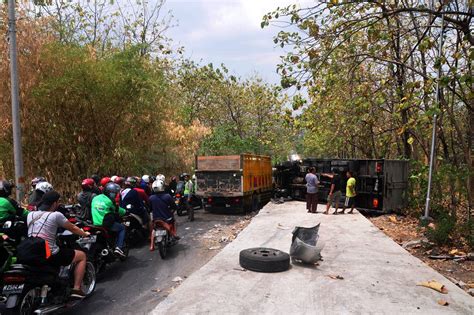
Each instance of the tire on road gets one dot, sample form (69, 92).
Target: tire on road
(263, 259)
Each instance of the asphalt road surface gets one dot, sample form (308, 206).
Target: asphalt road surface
(137, 285)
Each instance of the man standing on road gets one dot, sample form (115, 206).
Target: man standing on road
(335, 191)
(312, 191)
(188, 195)
(350, 192)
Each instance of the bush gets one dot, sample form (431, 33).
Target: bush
(444, 227)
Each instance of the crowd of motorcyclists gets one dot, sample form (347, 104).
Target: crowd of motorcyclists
(102, 203)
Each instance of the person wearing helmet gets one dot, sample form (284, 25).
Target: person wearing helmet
(145, 184)
(41, 189)
(9, 208)
(96, 188)
(84, 198)
(131, 200)
(171, 188)
(104, 181)
(188, 194)
(162, 207)
(113, 178)
(105, 213)
(32, 195)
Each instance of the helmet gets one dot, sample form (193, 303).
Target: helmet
(87, 184)
(104, 181)
(111, 190)
(113, 178)
(158, 186)
(37, 180)
(185, 174)
(173, 178)
(44, 187)
(5, 188)
(118, 180)
(96, 178)
(161, 177)
(130, 181)
(194, 177)
(146, 178)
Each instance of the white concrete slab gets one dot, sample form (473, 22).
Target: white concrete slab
(380, 277)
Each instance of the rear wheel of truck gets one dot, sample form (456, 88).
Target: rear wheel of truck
(255, 203)
(263, 259)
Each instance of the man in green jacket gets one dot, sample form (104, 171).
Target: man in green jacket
(104, 210)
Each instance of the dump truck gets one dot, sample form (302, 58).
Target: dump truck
(234, 183)
(381, 185)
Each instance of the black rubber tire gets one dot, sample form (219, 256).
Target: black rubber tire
(126, 247)
(179, 212)
(263, 259)
(162, 249)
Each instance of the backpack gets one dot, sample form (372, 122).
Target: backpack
(34, 250)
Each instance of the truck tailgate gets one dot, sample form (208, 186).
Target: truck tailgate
(225, 184)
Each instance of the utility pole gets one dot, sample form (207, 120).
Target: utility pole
(18, 159)
(426, 216)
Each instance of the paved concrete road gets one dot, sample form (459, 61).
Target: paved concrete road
(380, 277)
(126, 288)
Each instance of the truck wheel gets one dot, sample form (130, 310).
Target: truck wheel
(255, 203)
(263, 259)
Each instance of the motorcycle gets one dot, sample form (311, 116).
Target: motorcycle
(182, 208)
(101, 252)
(44, 289)
(162, 237)
(136, 230)
(15, 228)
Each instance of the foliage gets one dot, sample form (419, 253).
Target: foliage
(443, 230)
(370, 69)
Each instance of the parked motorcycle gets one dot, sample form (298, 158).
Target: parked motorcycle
(44, 289)
(163, 239)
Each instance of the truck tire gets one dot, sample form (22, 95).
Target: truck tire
(255, 203)
(261, 259)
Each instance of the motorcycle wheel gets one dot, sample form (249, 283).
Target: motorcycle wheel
(179, 212)
(89, 282)
(162, 249)
(28, 303)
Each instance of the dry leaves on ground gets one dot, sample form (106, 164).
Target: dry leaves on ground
(435, 285)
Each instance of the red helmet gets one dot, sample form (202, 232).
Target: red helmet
(104, 181)
(87, 183)
(118, 180)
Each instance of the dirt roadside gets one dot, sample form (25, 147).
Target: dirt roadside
(408, 234)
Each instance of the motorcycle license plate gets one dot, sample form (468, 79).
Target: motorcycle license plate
(160, 233)
(13, 288)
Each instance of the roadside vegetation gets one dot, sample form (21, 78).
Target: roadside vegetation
(103, 91)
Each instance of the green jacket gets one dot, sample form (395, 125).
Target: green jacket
(9, 207)
(102, 205)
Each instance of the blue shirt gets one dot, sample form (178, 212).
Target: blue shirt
(161, 205)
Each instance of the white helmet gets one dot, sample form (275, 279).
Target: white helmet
(44, 187)
(158, 186)
(146, 178)
(160, 177)
(113, 178)
(194, 177)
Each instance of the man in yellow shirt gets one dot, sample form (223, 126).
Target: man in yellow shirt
(350, 192)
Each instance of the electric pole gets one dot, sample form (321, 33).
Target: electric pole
(18, 159)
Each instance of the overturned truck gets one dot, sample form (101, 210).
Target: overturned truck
(381, 185)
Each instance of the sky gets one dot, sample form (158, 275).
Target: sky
(229, 32)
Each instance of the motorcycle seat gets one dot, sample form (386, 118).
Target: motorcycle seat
(37, 269)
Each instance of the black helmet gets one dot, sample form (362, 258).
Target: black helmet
(5, 188)
(96, 179)
(130, 181)
(111, 190)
